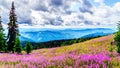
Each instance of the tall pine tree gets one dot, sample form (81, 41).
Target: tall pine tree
(3, 45)
(12, 29)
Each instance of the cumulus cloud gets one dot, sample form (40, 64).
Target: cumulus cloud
(86, 7)
(57, 2)
(99, 1)
(62, 12)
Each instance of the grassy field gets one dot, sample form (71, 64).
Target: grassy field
(94, 53)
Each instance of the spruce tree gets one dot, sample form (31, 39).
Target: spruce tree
(12, 29)
(117, 38)
(3, 45)
(28, 47)
(17, 47)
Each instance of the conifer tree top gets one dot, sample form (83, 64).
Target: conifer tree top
(0, 20)
(1, 29)
(13, 17)
(13, 7)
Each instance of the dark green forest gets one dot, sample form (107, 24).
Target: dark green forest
(57, 43)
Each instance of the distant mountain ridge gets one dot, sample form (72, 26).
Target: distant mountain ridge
(44, 35)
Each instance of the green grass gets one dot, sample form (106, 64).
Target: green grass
(95, 45)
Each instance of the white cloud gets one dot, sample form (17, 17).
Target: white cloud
(99, 1)
(117, 7)
(62, 12)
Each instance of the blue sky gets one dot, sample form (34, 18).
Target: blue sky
(111, 2)
(77, 13)
(107, 2)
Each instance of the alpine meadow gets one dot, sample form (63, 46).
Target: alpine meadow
(59, 34)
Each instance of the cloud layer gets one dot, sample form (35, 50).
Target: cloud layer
(62, 12)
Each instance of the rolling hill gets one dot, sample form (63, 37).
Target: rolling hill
(94, 53)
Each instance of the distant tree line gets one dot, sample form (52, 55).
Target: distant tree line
(12, 43)
(58, 43)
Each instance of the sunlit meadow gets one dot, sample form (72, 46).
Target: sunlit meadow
(63, 34)
(93, 53)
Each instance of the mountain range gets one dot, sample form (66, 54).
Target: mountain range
(44, 35)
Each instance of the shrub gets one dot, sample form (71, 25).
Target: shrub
(28, 47)
(63, 44)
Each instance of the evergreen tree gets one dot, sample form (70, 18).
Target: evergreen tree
(3, 45)
(28, 47)
(117, 38)
(17, 47)
(12, 29)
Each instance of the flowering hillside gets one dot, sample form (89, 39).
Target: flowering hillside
(95, 53)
